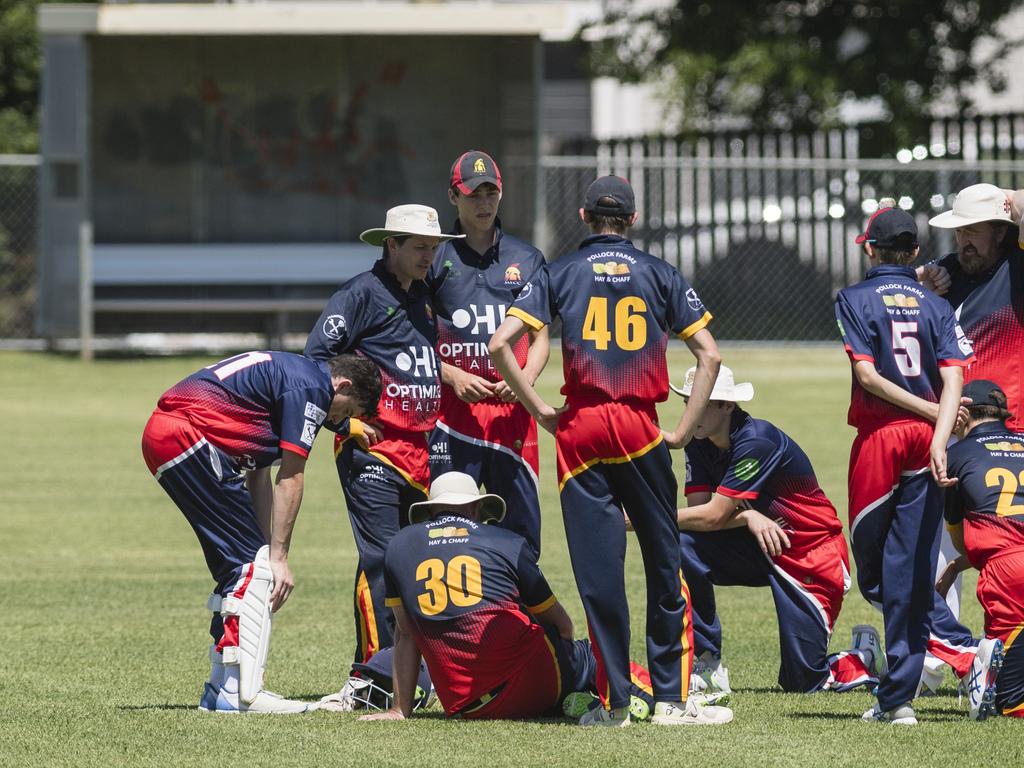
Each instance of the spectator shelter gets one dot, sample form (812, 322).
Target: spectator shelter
(213, 164)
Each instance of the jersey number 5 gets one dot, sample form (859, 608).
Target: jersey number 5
(1005, 478)
(630, 325)
(906, 348)
(458, 582)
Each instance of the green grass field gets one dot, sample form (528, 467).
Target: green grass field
(104, 621)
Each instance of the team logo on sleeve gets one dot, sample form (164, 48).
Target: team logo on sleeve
(308, 433)
(747, 469)
(513, 275)
(316, 414)
(525, 292)
(962, 341)
(334, 326)
(693, 301)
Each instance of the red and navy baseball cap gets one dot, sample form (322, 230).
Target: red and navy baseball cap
(610, 196)
(890, 228)
(473, 168)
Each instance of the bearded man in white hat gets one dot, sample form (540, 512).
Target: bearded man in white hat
(386, 315)
(757, 517)
(987, 285)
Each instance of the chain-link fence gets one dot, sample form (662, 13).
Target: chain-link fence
(19, 205)
(766, 241)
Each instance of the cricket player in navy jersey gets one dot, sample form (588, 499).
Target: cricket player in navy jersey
(618, 305)
(210, 443)
(908, 354)
(385, 314)
(985, 515)
(481, 429)
(472, 600)
(757, 517)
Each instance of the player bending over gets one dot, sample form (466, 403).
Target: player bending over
(210, 444)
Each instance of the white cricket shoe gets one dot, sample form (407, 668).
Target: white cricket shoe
(601, 717)
(981, 680)
(265, 703)
(710, 677)
(694, 711)
(865, 638)
(903, 715)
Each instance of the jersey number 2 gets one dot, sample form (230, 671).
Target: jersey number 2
(630, 325)
(1005, 478)
(458, 583)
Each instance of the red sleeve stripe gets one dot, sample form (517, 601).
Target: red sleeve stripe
(962, 363)
(854, 356)
(699, 489)
(286, 446)
(737, 494)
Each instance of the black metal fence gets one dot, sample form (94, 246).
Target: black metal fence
(19, 205)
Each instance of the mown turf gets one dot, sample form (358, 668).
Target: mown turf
(104, 624)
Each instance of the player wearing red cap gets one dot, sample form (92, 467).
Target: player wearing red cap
(481, 429)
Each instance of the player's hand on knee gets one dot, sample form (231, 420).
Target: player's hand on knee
(770, 535)
(284, 583)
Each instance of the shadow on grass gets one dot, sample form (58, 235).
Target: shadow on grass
(931, 716)
(143, 707)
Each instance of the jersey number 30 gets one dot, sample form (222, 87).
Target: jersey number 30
(458, 582)
(630, 325)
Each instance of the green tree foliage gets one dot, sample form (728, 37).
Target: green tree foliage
(788, 64)
(20, 61)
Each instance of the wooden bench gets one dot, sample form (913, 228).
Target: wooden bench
(273, 281)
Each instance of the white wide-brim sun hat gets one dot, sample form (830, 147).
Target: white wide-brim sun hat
(409, 219)
(973, 205)
(458, 488)
(725, 388)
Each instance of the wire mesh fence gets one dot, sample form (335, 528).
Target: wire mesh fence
(19, 205)
(766, 241)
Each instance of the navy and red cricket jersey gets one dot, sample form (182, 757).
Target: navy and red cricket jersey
(766, 468)
(906, 331)
(618, 305)
(989, 497)
(467, 588)
(471, 292)
(252, 406)
(372, 315)
(990, 309)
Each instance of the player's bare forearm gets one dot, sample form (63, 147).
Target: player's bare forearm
(537, 357)
(405, 663)
(710, 516)
(287, 499)
(261, 491)
(873, 382)
(949, 405)
(557, 617)
(500, 348)
(702, 345)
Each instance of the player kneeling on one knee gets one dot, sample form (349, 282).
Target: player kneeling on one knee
(210, 444)
(756, 516)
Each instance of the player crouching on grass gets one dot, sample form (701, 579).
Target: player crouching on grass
(210, 444)
(985, 516)
(907, 353)
(756, 516)
(472, 600)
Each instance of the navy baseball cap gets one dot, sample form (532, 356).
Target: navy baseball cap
(985, 392)
(473, 168)
(890, 228)
(610, 196)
